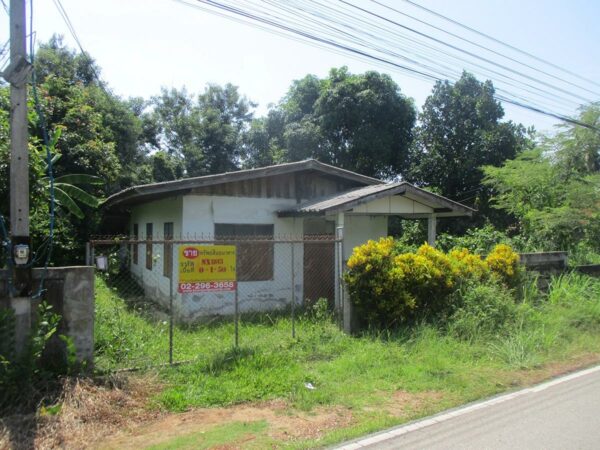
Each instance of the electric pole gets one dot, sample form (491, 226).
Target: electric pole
(17, 74)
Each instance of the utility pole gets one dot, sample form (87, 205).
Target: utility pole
(17, 74)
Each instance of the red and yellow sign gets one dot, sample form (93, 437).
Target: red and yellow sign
(206, 268)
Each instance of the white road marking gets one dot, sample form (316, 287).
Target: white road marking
(442, 417)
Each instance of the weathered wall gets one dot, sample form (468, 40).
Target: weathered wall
(546, 262)
(70, 291)
(194, 217)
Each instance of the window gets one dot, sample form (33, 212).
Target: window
(168, 250)
(134, 246)
(254, 259)
(149, 246)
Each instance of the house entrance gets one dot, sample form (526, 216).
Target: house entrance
(319, 261)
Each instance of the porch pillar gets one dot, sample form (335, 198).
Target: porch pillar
(431, 225)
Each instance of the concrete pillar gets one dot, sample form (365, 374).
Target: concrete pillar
(22, 310)
(431, 226)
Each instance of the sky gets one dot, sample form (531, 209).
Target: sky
(143, 45)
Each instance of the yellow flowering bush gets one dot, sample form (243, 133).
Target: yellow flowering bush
(389, 288)
(503, 262)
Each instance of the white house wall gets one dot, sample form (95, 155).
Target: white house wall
(200, 213)
(155, 284)
(359, 229)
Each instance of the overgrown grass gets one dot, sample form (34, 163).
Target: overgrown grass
(359, 372)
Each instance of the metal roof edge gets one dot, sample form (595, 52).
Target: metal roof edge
(206, 180)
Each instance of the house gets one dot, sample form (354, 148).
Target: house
(272, 206)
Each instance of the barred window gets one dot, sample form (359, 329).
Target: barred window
(149, 233)
(254, 259)
(134, 246)
(168, 250)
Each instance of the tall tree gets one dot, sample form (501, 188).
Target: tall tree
(459, 131)
(358, 122)
(205, 134)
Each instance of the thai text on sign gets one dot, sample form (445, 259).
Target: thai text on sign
(204, 268)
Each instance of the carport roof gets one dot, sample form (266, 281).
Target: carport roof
(350, 199)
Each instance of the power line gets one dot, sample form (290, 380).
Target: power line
(419, 72)
(498, 41)
(63, 12)
(548, 96)
(483, 47)
(439, 41)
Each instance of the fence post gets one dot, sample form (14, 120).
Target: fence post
(88, 254)
(293, 294)
(171, 305)
(236, 305)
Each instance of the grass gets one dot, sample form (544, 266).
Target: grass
(234, 433)
(360, 374)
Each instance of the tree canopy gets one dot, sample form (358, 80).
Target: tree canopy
(360, 122)
(459, 131)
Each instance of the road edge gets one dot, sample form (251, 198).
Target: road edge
(459, 411)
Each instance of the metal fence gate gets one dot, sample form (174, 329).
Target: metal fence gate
(148, 313)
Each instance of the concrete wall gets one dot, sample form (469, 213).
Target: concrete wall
(359, 229)
(70, 291)
(155, 284)
(545, 262)
(201, 213)
(194, 217)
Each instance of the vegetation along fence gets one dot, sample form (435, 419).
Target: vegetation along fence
(164, 300)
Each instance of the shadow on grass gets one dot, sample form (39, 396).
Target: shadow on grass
(226, 361)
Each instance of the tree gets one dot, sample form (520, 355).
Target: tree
(101, 133)
(553, 190)
(365, 122)
(459, 131)
(578, 148)
(358, 122)
(166, 167)
(554, 211)
(206, 134)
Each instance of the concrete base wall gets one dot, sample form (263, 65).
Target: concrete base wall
(545, 262)
(70, 291)
(592, 270)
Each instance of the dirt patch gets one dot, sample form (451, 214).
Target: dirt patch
(87, 411)
(403, 403)
(116, 414)
(283, 423)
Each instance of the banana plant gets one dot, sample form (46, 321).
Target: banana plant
(66, 194)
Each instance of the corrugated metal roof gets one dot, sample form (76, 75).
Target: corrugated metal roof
(346, 197)
(349, 199)
(145, 191)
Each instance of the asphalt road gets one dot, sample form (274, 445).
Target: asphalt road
(561, 414)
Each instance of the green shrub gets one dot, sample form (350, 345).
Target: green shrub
(20, 373)
(389, 288)
(484, 311)
(482, 240)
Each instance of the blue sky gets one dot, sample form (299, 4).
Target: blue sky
(142, 45)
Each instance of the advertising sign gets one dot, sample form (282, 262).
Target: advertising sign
(206, 268)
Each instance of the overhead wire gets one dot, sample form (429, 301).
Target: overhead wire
(47, 245)
(498, 41)
(545, 95)
(363, 53)
(483, 47)
(467, 52)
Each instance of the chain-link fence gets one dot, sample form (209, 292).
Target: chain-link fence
(165, 300)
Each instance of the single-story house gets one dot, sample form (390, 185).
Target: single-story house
(283, 202)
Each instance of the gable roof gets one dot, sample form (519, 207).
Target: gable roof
(152, 191)
(348, 200)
